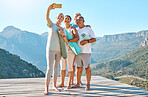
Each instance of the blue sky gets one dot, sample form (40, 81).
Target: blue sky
(106, 17)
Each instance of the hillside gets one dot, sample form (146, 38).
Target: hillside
(132, 63)
(132, 68)
(11, 66)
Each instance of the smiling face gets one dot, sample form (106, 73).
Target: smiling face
(80, 21)
(75, 17)
(67, 19)
(60, 17)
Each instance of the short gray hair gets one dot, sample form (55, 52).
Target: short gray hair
(78, 14)
(80, 17)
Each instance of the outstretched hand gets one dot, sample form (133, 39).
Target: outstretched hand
(51, 6)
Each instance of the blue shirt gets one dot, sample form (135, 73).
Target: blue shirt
(76, 26)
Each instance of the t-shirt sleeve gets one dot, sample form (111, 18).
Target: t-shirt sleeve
(92, 34)
(71, 25)
(51, 24)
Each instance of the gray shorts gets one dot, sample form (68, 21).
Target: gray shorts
(83, 60)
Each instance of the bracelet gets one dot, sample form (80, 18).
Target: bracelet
(63, 36)
(88, 41)
(68, 40)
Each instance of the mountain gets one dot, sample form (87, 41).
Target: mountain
(11, 66)
(32, 47)
(133, 63)
(132, 68)
(29, 46)
(145, 42)
(110, 47)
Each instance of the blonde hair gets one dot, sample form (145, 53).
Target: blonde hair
(59, 15)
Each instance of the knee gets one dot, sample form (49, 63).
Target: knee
(63, 65)
(49, 69)
(63, 68)
(48, 73)
(79, 69)
(88, 69)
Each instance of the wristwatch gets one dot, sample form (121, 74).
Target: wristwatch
(88, 41)
(68, 40)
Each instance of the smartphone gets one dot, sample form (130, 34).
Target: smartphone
(57, 5)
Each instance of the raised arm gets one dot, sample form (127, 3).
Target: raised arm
(47, 14)
(75, 34)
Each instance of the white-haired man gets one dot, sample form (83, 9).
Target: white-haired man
(84, 58)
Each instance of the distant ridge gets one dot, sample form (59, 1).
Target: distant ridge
(110, 47)
(8, 28)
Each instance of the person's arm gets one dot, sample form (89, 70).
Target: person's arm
(47, 14)
(93, 39)
(87, 26)
(75, 34)
(83, 42)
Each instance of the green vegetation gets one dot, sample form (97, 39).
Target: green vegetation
(110, 47)
(133, 63)
(11, 66)
(134, 82)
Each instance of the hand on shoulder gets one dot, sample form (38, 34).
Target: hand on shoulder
(87, 26)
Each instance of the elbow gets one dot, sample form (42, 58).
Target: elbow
(77, 39)
(95, 40)
(47, 18)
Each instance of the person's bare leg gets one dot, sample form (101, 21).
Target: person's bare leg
(88, 77)
(78, 76)
(73, 77)
(69, 79)
(47, 81)
(54, 85)
(73, 74)
(63, 73)
(81, 83)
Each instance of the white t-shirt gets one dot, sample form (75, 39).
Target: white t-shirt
(86, 31)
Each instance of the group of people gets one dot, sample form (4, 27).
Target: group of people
(58, 50)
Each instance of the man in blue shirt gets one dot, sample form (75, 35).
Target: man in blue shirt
(74, 24)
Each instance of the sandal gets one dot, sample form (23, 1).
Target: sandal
(68, 87)
(87, 88)
(76, 86)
